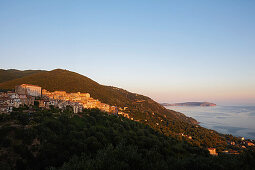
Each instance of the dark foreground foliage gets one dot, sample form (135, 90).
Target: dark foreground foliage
(96, 140)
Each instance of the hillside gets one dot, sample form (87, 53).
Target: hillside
(190, 104)
(73, 82)
(50, 139)
(11, 74)
(141, 108)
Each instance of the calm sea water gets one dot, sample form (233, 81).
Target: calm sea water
(235, 120)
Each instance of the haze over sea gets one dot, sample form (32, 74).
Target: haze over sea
(235, 120)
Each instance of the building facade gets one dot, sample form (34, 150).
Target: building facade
(30, 90)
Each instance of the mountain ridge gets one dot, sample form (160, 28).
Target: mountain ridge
(11, 74)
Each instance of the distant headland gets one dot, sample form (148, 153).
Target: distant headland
(189, 104)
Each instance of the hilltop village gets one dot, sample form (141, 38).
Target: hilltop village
(27, 94)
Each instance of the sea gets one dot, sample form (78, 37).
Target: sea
(236, 120)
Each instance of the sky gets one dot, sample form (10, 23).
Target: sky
(171, 51)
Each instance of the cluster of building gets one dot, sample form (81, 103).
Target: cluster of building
(24, 95)
(78, 101)
(27, 94)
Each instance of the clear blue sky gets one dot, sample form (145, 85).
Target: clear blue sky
(172, 51)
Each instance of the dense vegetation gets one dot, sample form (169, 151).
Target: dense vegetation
(96, 140)
(6, 75)
(141, 108)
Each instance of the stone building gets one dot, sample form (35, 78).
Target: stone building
(28, 89)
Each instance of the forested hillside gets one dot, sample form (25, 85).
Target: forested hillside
(141, 108)
(95, 140)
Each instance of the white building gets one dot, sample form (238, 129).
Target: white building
(28, 89)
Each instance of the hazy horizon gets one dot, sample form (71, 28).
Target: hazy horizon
(170, 51)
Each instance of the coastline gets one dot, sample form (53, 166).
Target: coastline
(235, 120)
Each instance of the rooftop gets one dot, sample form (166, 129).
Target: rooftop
(29, 85)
